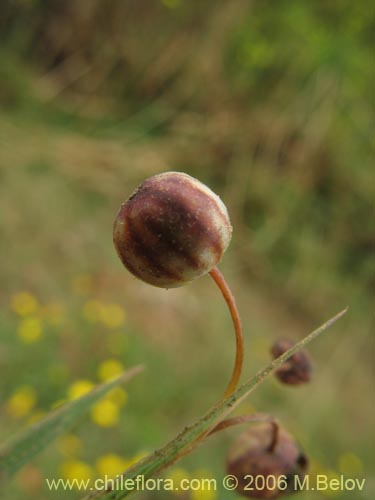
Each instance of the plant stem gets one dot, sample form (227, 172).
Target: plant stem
(242, 419)
(275, 437)
(229, 298)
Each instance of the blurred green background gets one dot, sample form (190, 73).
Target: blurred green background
(271, 105)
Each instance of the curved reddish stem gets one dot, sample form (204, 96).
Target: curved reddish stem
(246, 419)
(229, 298)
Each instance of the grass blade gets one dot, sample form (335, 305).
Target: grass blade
(25, 445)
(191, 436)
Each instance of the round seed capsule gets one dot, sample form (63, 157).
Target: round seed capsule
(298, 369)
(171, 230)
(269, 456)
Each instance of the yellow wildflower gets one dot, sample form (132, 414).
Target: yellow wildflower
(204, 493)
(80, 388)
(30, 330)
(24, 303)
(177, 475)
(331, 474)
(105, 413)
(112, 315)
(207, 491)
(76, 469)
(110, 465)
(21, 402)
(109, 369)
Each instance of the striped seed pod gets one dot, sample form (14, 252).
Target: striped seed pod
(171, 230)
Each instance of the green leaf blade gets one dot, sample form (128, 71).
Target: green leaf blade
(30, 441)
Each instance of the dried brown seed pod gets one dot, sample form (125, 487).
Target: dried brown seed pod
(297, 370)
(266, 459)
(171, 230)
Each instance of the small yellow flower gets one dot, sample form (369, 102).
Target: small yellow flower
(204, 493)
(80, 388)
(69, 445)
(21, 402)
(105, 413)
(331, 474)
(110, 465)
(177, 475)
(82, 284)
(30, 330)
(350, 464)
(207, 491)
(109, 369)
(24, 303)
(112, 315)
(76, 469)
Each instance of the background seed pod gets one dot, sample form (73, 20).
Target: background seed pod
(171, 230)
(297, 370)
(261, 452)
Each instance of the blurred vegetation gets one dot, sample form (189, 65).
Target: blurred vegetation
(269, 103)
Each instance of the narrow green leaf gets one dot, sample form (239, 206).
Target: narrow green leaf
(30, 441)
(193, 435)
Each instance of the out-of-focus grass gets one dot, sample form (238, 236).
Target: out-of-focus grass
(269, 104)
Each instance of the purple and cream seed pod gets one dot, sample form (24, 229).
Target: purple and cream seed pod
(268, 452)
(173, 229)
